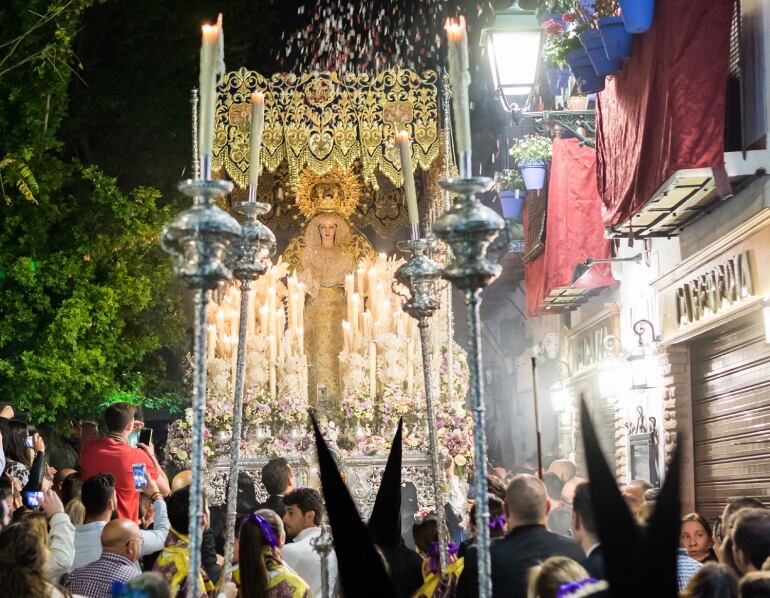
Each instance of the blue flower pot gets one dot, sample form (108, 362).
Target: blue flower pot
(533, 174)
(637, 14)
(558, 79)
(583, 71)
(593, 44)
(617, 40)
(512, 202)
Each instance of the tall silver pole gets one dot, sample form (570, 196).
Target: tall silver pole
(196, 161)
(468, 228)
(435, 463)
(419, 275)
(450, 317)
(197, 240)
(248, 261)
(199, 407)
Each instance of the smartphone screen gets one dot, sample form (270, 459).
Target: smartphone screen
(140, 476)
(29, 442)
(145, 436)
(133, 438)
(32, 500)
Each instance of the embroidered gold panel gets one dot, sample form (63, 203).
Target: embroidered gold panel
(318, 121)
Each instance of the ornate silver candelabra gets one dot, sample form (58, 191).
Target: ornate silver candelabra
(248, 261)
(323, 545)
(420, 275)
(197, 240)
(468, 228)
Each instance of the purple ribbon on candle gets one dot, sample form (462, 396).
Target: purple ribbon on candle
(435, 550)
(266, 528)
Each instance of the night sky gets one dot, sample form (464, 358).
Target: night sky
(129, 107)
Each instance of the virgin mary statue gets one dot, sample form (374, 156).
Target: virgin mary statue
(325, 260)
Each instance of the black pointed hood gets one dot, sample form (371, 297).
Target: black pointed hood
(385, 521)
(640, 562)
(361, 568)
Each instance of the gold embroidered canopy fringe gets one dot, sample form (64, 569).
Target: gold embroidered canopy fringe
(318, 121)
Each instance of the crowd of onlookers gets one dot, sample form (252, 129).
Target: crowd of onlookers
(97, 516)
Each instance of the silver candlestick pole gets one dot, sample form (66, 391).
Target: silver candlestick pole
(323, 545)
(420, 275)
(248, 259)
(197, 240)
(446, 204)
(468, 228)
(196, 161)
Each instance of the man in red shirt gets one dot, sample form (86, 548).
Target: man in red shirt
(114, 455)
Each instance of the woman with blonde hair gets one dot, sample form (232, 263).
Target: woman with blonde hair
(22, 564)
(547, 578)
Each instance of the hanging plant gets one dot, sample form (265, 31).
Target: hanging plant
(508, 180)
(531, 148)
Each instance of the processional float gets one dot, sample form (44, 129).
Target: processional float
(208, 246)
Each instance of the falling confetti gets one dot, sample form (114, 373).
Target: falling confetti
(371, 35)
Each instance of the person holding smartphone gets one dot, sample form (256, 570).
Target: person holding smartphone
(131, 467)
(25, 454)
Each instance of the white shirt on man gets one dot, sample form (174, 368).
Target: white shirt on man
(302, 557)
(88, 537)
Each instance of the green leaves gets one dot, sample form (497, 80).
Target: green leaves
(87, 299)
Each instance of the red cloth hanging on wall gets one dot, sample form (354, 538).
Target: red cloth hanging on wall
(574, 228)
(666, 110)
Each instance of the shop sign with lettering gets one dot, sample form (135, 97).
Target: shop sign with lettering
(709, 293)
(594, 347)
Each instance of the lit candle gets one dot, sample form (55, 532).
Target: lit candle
(346, 336)
(367, 324)
(403, 144)
(301, 342)
(460, 78)
(372, 370)
(210, 67)
(257, 127)
(250, 310)
(360, 273)
(409, 367)
(354, 302)
(220, 319)
(212, 341)
(273, 355)
(264, 324)
(271, 306)
(348, 285)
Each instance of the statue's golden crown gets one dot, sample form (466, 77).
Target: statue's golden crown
(338, 191)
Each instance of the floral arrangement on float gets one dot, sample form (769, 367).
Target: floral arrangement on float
(380, 373)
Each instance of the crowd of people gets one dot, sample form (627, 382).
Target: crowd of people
(97, 516)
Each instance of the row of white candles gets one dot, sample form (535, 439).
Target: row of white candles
(284, 331)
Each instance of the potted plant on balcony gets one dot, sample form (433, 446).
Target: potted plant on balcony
(637, 14)
(509, 189)
(591, 36)
(617, 39)
(562, 45)
(532, 154)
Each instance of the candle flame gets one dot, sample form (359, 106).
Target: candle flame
(210, 33)
(455, 28)
(402, 136)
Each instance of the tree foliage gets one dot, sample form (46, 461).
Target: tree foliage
(87, 300)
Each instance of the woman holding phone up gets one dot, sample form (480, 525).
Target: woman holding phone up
(25, 456)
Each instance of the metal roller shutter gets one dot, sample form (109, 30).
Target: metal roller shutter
(731, 415)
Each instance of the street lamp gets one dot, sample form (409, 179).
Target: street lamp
(513, 45)
(642, 370)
